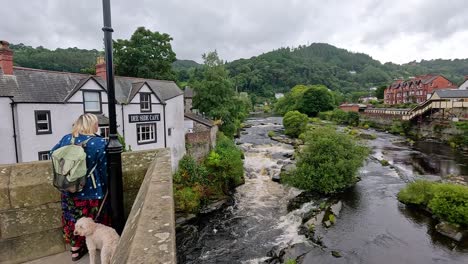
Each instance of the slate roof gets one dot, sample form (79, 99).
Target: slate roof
(199, 119)
(425, 79)
(452, 93)
(33, 85)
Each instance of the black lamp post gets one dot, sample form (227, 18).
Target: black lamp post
(114, 149)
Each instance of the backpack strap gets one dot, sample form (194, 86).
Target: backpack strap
(82, 144)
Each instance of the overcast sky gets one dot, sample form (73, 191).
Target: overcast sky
(388, 30)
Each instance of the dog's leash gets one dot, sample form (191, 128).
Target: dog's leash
(102, 205)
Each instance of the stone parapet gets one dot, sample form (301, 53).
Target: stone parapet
(149, 234)
(30, 211)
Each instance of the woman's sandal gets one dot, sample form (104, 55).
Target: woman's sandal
(81, 252)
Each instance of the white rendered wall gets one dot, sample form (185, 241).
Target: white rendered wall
(7, 149)
(131, 128)
(175, 122)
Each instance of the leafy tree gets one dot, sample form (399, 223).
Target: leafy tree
(215, 95)
(146, 54)
(295, 123)
(328, 163)
(379, 93)
(316, 99)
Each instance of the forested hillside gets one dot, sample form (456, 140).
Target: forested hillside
(275, 71)
(338, 69)
(69, 60)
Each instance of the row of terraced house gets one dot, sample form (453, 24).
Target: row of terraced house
(417, 89)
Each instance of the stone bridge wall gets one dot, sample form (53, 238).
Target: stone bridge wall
(149, 234)
(30, 211)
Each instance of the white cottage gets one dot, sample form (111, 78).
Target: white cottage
(38, 107)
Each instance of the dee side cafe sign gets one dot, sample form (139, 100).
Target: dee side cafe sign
(136, 118)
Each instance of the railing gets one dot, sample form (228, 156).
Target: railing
(408, 114)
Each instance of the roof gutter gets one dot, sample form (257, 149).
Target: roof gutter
(12, 104)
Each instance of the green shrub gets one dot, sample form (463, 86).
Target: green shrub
(271, 133)
(187, 200)
(418, 193)
(384, 162)
(450, 203)
(339, 116)
(328, 163)
(290, 261)
(195, 184)
(225, 162)
(352, 119)
(325, 115)
(190, 172)
(332, 218)
(295, 123)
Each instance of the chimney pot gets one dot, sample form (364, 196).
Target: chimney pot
(6, 58)
(101, 70)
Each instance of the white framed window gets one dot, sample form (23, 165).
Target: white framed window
(104, 131)
(92, 102)
(145, 102)
(44, 155)
(43, 124)
(146, 133)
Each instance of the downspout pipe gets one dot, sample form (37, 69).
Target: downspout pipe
(165, 130)
(123, 120)
(12, 104)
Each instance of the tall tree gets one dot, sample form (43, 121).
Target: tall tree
(215, 95)
(315, 100)
(146, 54)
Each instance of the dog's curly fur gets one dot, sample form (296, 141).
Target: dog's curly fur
(98, 236)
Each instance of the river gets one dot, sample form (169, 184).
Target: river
(373, 227)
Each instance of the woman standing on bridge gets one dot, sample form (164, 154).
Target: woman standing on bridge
(88, 201)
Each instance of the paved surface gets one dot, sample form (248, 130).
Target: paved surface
(64, 258)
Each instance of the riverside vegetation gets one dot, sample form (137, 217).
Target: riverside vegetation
(448, 202)
(195, 185)
(328, 163)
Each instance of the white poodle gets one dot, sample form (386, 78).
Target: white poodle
(98, 236)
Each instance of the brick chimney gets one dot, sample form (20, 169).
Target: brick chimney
(6, 58)
(101, 68)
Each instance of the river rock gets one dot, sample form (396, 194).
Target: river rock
(336, 254)
(449, 230)
(296, 251)
(302, 198)
(185, 219)
(336, 208)
(327, 223)
(280, 162)
(288, 168)
(213, 206)
(276, 177)
(288, 155)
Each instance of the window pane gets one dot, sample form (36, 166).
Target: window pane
(92, 106)
(43, 126)
(91, 96)
(42, 116)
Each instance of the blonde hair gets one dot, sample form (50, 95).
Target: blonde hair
(85, 125)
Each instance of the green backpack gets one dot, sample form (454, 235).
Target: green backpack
(69, 164)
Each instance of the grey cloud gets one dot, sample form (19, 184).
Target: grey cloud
(240, 28)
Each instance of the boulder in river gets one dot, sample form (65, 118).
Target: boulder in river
(336, 208)
(276, 177)
(452, 231)
(288, 168)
